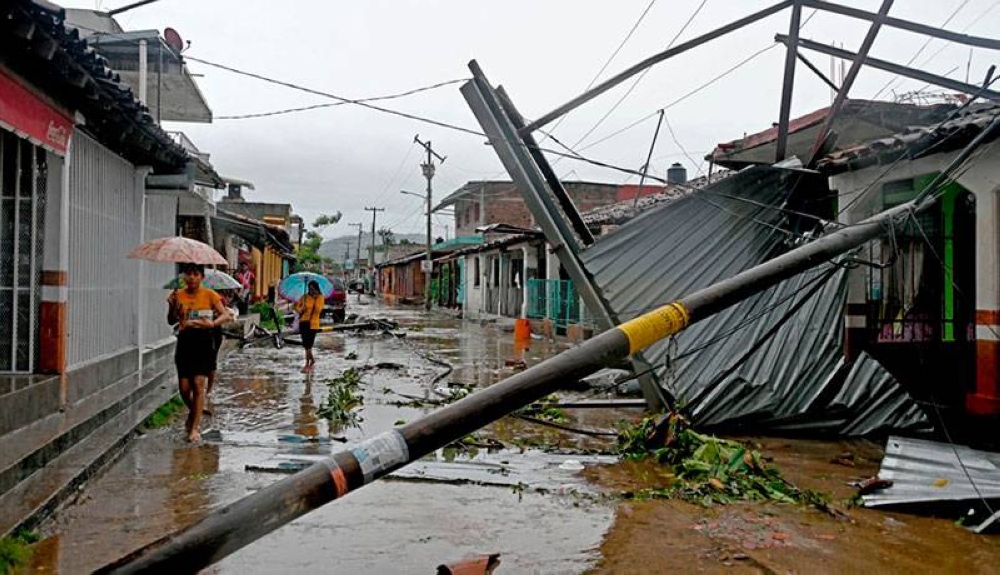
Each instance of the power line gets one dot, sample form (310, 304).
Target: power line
(342, 99)
(331, 105)
(609, 60)
(640, 77)
(673, 135)
(696, 90)
(682, 98)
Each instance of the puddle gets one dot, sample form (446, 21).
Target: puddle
(442, 508)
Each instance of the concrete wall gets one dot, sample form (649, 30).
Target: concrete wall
(502, 203)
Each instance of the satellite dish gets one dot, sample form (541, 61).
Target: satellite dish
(173, 40)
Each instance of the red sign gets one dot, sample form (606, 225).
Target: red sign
(29, 117)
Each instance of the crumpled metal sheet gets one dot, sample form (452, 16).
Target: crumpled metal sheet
(928, 471)
(797, 381)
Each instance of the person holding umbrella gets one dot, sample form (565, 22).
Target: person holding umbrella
(309, 307)
(197, 310)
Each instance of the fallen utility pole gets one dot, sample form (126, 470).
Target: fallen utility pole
(236, 525)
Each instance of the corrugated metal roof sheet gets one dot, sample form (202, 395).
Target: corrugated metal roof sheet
(928, 471)
(797, 380)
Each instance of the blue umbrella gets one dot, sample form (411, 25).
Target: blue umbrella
(295, 286)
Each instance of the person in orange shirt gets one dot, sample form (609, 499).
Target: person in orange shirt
(196, 310)
(309, 309)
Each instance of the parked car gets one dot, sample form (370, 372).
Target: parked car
(336, 303)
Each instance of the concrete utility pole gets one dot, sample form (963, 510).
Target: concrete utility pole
(371, 261)
(428, 169)
(360, 227)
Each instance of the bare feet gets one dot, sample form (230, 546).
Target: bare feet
(194, 437)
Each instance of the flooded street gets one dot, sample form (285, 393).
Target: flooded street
(453, 504)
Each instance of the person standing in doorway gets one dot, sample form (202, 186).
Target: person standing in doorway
(197, 311)
(309, 309)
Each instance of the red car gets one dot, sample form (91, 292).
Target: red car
(336, 303)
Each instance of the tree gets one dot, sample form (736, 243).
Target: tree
(309, 256)
(326, 220)
(388, 238)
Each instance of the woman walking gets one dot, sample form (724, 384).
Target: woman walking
(309, 309)
(197, 310)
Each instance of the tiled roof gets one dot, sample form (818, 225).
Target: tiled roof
(61, 64)
(621, 212)
(914, 142)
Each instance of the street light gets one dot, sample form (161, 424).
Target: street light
(428, 267)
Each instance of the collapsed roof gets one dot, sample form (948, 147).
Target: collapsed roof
(763, 363)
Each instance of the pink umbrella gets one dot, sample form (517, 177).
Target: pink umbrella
(177, 249)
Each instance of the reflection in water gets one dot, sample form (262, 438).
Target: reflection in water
(190, 497)
(306, 421)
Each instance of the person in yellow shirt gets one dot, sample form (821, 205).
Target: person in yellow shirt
(309, 309)
(196, 310)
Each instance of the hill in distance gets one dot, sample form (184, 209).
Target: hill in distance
(334, 248)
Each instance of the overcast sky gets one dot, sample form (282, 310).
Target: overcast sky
(543, 51)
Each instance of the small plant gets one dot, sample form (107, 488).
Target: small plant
(708, 469)
(342, 399)
(16, 551)
(270, 319)
(163, 414)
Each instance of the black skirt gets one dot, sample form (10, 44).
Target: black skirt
(308, 336)
(196, 353)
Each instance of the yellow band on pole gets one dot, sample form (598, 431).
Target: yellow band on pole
(651, 327)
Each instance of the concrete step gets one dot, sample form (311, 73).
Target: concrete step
(43, 488)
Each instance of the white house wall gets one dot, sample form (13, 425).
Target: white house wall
(105, 220)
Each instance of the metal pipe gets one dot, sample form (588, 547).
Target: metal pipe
(131, 6)
(655, 59)
(848, 81)
(935, 32)
(897, 69)
(788, 82)
(817, 71)
(143, 70)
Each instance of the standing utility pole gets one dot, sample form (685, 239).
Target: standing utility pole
(360, 227)
(371, 261)
(428, 169)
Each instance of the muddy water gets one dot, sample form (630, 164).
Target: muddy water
(266, 419)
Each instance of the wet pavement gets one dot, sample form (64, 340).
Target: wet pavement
(453, 504)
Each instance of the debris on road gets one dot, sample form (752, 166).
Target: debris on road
(927, 475)
(482, 565)
(342, 399)
(707, 469)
